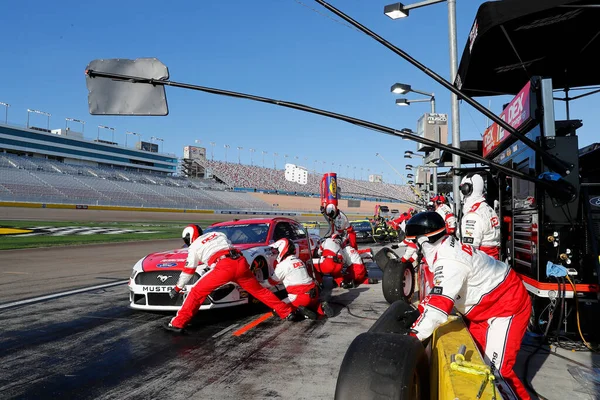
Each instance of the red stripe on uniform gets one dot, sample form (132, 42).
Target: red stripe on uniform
(442, 303)
(189, 271)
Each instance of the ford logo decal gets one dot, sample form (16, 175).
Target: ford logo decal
(166, 265)
(595, 201)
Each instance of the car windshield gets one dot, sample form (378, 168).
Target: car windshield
(361, 225)
(243, 233)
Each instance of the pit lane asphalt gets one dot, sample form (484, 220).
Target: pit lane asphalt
(92, 346)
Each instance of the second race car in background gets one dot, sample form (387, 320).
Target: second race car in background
(156, 274)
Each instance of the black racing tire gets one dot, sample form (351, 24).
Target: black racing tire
(384, 366)
(398, 282)
(383, 257)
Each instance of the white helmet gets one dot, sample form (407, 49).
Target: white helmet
(331, 211)
(285, 247)
(471, 185)
(191, 233)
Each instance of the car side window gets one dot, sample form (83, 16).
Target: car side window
(283, 230)
(299, 230)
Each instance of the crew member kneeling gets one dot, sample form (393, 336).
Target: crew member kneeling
(302, 290)
(487, 292)
(223, 264)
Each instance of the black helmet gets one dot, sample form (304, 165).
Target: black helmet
(430, 224)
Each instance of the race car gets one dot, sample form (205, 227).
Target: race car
(364, 231)
(156, 274)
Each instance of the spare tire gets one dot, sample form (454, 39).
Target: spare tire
(383, 366)
(398, 281)
(383, 256)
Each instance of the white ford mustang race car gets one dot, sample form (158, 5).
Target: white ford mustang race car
(155, 275)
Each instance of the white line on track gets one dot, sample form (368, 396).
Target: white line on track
(61, 294)
(224, 331)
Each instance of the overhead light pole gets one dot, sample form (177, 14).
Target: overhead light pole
(275, 160)
(74, 120)
(226, 146)
(6, 105)
(399, 10)
(401, 88)
(251, 158)
(212, 154)
(239, 154)
(48, 115)
(130, 133)
(157, 139)
(263, 154)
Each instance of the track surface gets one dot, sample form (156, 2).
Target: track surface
(92, 346)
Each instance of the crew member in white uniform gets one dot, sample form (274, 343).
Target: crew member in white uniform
(480, 226)
(222, 263)
(487, 292)
(442, 208)
(301, 288)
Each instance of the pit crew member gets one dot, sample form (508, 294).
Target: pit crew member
(442, 208)
(221, 263)
(343, 264)
(487, 292)
(341, 225)
(303, 293)
(480, 226)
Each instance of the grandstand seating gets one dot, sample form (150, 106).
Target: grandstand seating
(268, 179)
(38, 179)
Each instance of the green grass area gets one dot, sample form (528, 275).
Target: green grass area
(161, 229)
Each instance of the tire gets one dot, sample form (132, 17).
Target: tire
(398, 282)
(383, 257)
(383, 366)
(260, 269)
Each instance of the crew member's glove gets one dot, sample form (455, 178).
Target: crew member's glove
(174, 293)
(410, 317)
(410, 254)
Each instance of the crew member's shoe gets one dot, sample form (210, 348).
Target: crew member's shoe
(171, 328)
(327, 309)
(373, 281)
(308, 313)
(295, 316)
(348, 285)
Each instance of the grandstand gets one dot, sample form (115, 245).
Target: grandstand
(268, 180)
(61, 166)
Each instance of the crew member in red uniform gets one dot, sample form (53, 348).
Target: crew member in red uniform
(343, 264)
(302, 290)
(487, 292)
(480, 226)
(222, 263)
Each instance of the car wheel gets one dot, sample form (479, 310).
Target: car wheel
(398, 282)
(383, 257)
(384, 365)
(260, 269)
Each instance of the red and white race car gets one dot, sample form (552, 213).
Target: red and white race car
(156, 274)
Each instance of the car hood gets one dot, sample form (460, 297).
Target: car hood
(165, 260)
(175, 259)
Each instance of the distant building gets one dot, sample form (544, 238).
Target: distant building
(375, 178)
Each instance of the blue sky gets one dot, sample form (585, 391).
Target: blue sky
(285, 49)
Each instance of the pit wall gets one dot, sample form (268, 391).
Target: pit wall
(449, 384)
(312, 204)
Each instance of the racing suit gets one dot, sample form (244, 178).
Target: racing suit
(342, 226)
(222, 263)
(301, 288)
(480, 227)
(446, 212)
(334, 258)
(490, 296)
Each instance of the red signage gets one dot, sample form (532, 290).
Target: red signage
(516, 114)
